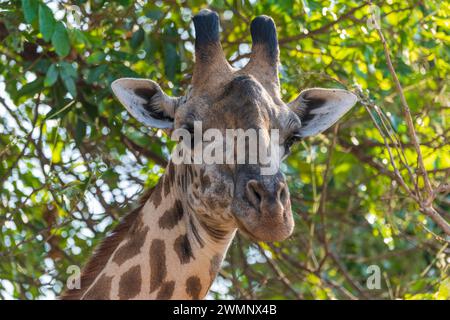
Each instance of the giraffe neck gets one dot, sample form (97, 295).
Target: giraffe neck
(166, 254)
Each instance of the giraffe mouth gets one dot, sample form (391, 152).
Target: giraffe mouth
(245, 231)
(258, 226)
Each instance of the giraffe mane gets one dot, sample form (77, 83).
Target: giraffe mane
(105, 249)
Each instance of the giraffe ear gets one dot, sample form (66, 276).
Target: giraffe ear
(145, 100)
(318, 109)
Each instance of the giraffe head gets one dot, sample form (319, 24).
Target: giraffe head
(225, 196)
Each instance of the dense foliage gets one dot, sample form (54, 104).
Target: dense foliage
(72, 161)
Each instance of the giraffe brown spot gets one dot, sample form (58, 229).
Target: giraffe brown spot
(158, 269)
(168, 178)
(183, 249)
(138, 225)
(193, 287)
(100, 290)
(172, 216)
(130, 283)
(171, 169)
(166, 291)
(132, 247)
(156, 196)
(166, 186)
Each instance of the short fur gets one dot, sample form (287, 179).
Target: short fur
(195, 210)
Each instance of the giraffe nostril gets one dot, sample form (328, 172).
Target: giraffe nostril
(283, 194)
(253, 194)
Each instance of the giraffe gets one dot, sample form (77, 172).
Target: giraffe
(172, 245)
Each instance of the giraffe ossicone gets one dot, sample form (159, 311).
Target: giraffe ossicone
(172, 245)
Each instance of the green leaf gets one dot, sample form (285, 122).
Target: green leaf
(56, 152)
(96, 57)
(68, 76)
(151, 46)
(51, 76)
(68, 70)
(95, 73)
(78, 37)
(154, 14)
(80, 131)
(61, 110)
(60, 40)
(91, 110)
(30, 10)
(401, 67)
(125, 3)
(30, 89)
(171, 61)
(171, 57)
(69, 83)
(46, 22)
(137, 38)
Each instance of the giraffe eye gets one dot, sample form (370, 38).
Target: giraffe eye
(291, 141)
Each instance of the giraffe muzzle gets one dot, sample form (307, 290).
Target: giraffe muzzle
(264, 212)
